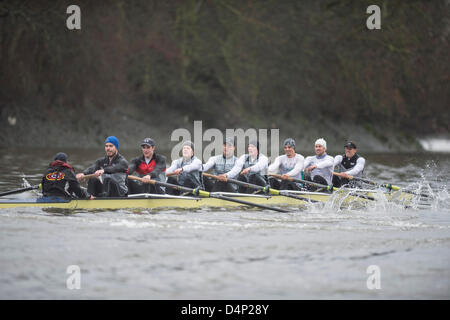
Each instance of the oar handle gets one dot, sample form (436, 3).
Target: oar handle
(88, 176)
(278, 176)
(265, 189)
(141, 179)
(212, 176)
(328, 188)
(339, 174)
(358, 179)
(196, 191)
(171, 174)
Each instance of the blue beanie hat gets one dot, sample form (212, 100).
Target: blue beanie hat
(113, 140)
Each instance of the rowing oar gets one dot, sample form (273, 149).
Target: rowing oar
(314, 184)
(38, 186)
(265, 189)
(384, 185)
(328, 188)
(204, 194)
(88, 176)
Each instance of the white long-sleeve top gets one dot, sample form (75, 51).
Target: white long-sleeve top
(325, 165)
(260, 165)
(291, 166)
(194, 165)
(356, 170)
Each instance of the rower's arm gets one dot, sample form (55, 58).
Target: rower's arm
(298, 167)
(327, 162)
(74, 186)
(337, 160)
(274, 167)
(120, 167)
(262, 164)
(358, 168)
(307, 162)
(196, 165)
(160, 167)
(132, 167)
(94, 167)
(209, 164)
(173, 167)
(237, 168)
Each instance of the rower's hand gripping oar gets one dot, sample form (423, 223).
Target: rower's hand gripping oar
(384, 185)
(88, 176)
(265, 189)
(202, 193)
(39, 186)
(328, 188)
(314, 184)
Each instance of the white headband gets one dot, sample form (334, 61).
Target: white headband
(322, 142)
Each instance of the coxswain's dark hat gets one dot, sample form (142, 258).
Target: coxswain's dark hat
(61, 156)
(350, 145)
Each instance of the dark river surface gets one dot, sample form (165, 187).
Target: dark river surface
(383, 251)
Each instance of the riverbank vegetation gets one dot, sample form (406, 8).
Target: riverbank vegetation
(228, 62)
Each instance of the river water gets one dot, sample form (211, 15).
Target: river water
(383, 251)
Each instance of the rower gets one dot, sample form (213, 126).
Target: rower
(60, 180)
(289, 165)
(320, 166)
(110, 172)
(149, 165)
(185, 171)
(349, 164)
(221, 164)
(251, 168)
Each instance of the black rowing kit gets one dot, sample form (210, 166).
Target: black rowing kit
(60, 181)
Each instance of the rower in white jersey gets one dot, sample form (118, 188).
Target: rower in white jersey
(349, 164)
(289, 165)
(221, 164)
(319, 166)
(250, 168)
(185, 171)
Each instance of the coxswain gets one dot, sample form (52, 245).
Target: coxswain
(110, 171)
(289, 165)
(185, 171)
(250, 168)
(221, 164)
(60, 180)
(320, 166)
(349, 164)
(149, 165)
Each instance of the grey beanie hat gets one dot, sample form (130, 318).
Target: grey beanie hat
(289, 142)
(188, 143)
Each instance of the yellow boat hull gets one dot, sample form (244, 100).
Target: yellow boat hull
(157, 202)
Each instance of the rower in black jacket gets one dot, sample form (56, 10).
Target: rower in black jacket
(348, 164)
(60, 180)
(111, 172)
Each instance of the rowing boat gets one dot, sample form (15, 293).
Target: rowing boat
(156, 201)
